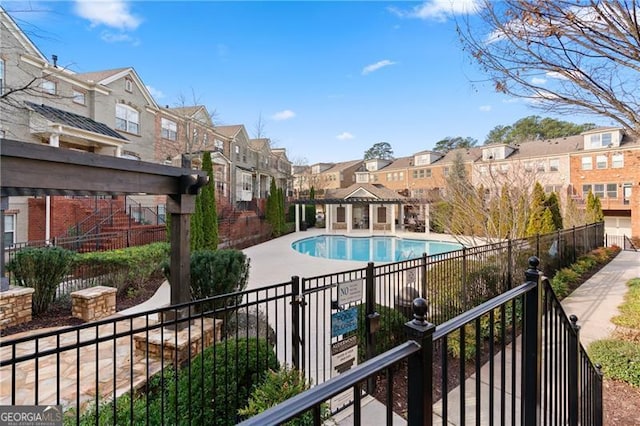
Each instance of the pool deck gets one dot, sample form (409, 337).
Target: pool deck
(275, 261)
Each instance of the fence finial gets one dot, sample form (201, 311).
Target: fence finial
(532, 273)
(420, 308)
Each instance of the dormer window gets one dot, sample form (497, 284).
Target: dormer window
(600, 140)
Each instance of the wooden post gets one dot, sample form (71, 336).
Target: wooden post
(180, 207)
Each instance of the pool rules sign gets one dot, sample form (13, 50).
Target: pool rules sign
(344, 356)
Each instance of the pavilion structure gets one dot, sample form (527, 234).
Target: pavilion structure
(366, 208)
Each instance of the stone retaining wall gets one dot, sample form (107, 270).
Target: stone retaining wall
(94, 303)
(15, 306)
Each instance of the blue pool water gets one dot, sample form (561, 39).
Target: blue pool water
(370, 249)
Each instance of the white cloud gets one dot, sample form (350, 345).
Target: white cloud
(110, 37)
(555, 74)
(438, 10)
(112, 13)
(283, 115)
(157, 94)
(374, 67)
(538, 80)
(485, 108)
(344, 136)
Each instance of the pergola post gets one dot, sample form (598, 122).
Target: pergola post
(426, 218)
(392, 207)
(371, 217)
(180, 206)
(297, 217)
(349, 218)
(4, 281)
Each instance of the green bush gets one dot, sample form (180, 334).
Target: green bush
(620, 359)
(42, 269)
(562, 280)
(123, 269)
(276, 388)
(390, 334)
(630, 309)
(218, 272)
(212, 389)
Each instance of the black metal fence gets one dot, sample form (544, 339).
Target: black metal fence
(515, 359)
(115, 366)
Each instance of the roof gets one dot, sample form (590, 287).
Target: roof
(258, 144)
(548, 147)
(399, 163)
(98, 76)
(338, 167)
(229, 131)
(468, 155)
(20, 35)
(377, 190)
(74, 120)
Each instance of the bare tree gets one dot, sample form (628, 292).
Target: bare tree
(259, 128)
(566, 56)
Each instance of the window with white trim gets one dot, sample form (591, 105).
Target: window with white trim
(617, 161)
(600, 140)
(79, 97)
(601, 161)
(445, 171)
(127, 119)
(169, 129)
(587, 163)
(219, 145)
(49, 87)
(554, 165)
(9, 237)
(585, 190)
(612, 190)
(128, 85)
(598, 190)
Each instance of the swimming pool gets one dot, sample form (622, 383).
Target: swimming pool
(370, 249)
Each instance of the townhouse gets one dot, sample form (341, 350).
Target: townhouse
(111, 112)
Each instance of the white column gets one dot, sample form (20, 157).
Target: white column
(349, 217)
(327, 217)
(393, 218)
(47, 218)
(426, 219)
(54, 139)
(401, 218)
(297, 217)
(118, 152)
(371, 211)
(304, 212)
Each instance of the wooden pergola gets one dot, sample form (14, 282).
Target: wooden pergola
(28, 169)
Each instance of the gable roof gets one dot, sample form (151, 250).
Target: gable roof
(338, 167)
(259, 144)
(74, 120)
(99, 76)
(229, 131)
(106, 77)
(22, 38)
(357, 190)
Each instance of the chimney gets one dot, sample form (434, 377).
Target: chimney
(55, 60)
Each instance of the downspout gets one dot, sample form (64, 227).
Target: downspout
(54, 140)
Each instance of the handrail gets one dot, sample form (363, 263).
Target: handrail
(319, 394)
(486, 307)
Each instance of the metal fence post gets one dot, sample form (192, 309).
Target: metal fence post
(423, 267)
(573, 259)
(510, 264)
(372, 322)
(420, 369)
(538, 245)
(296, 303)
(531, 347)
(598, 415)
(463, 278)
(574, 370)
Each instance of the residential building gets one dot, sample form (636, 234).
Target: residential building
(607, 162)
(334, 175)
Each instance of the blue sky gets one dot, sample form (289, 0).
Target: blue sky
(329, 79)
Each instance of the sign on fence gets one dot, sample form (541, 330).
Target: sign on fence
(350, 291)
(344, 321)
(411, 276)
(344, 356)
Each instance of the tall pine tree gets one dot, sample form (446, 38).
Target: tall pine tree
(537, 209)
(553, 203)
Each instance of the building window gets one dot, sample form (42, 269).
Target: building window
(128, 85)
(598, 190)
(612, 190)
(389, 177)
(127, 119)
(445, 171)
(78, 97)
(237, 153)
(427, 173)
(195, 136)
(585, 190)
(483, 170)
(602, 140)
(246, 182)
(9, 236)
(626, 193)
(601, 161)
(617, 161)
(219, 145)
(49, 87)
(587, 163)
(169, 129)
(540, 166)
(554, 165)
(504, 168)
(528, 166)
(1, 76)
